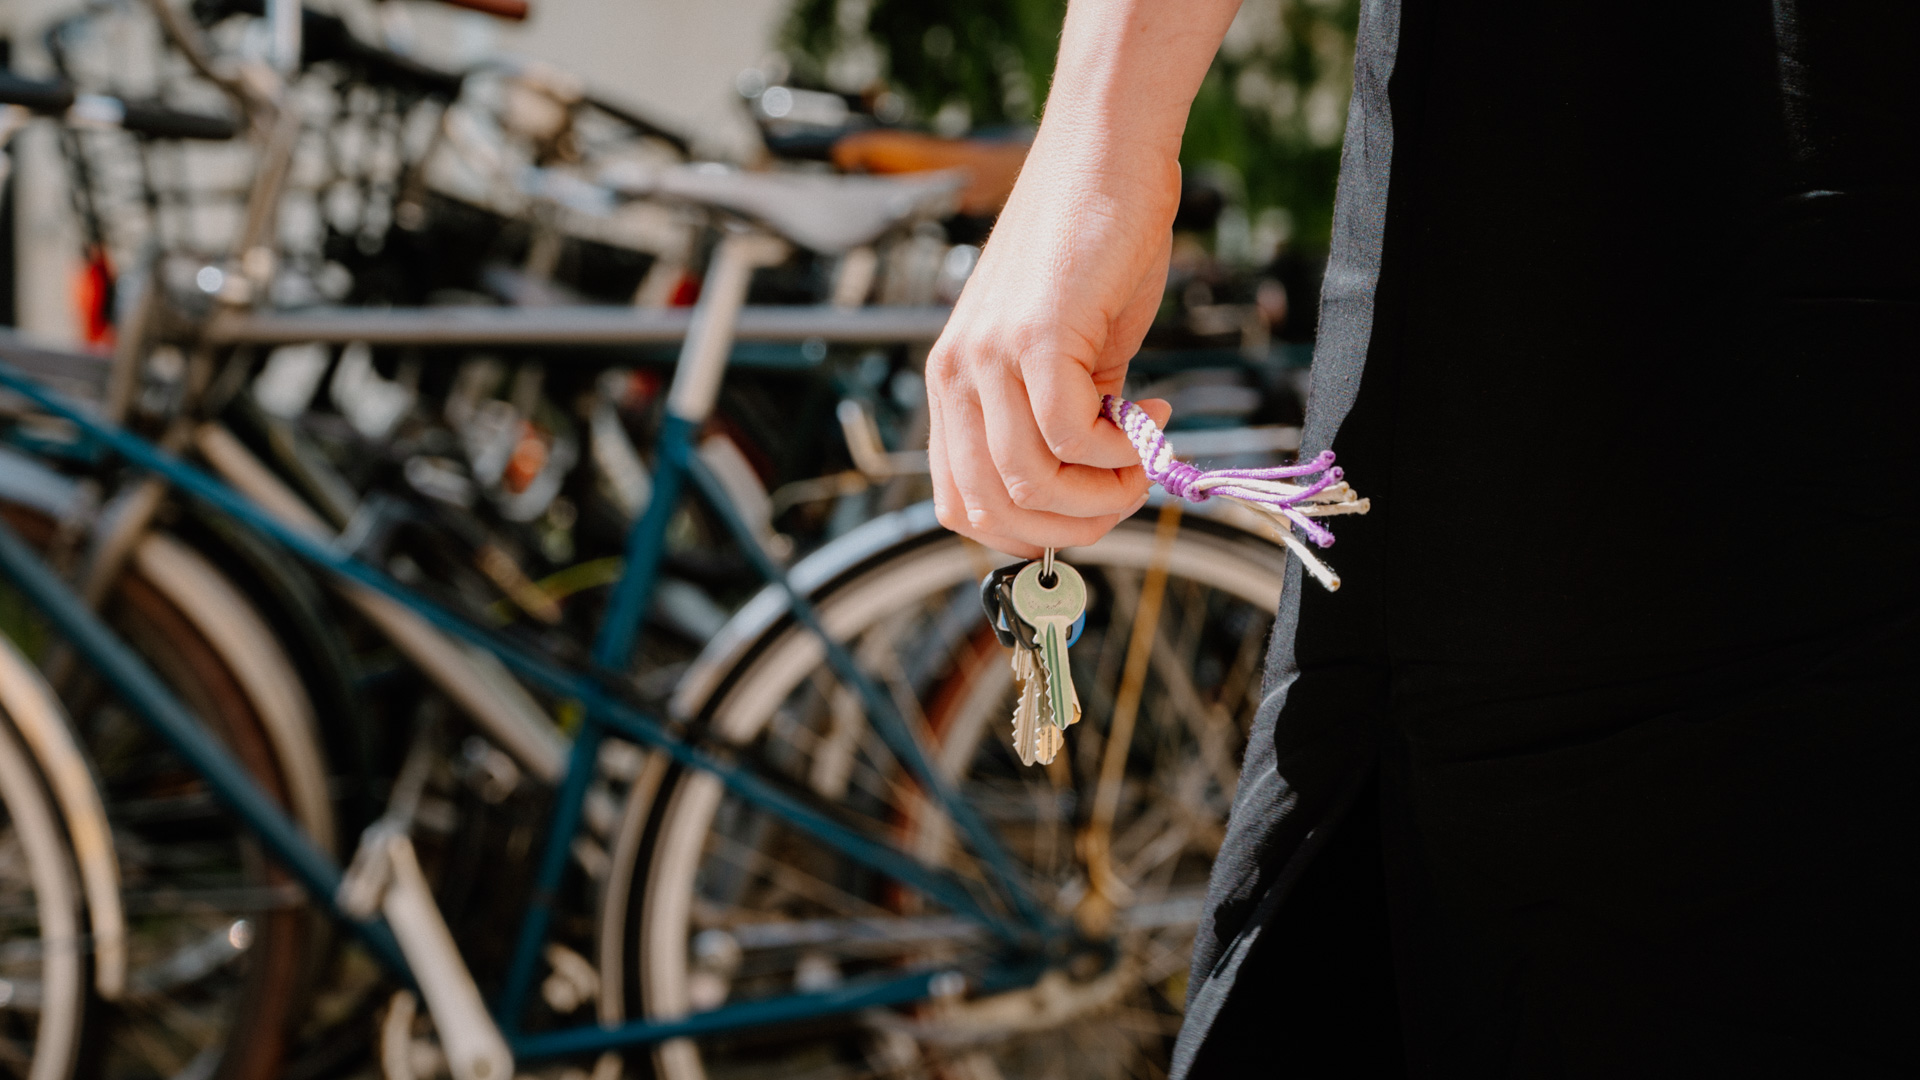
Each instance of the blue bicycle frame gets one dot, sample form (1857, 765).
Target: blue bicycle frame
(1008, 911)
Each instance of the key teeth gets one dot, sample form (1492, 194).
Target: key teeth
(1039, 733)
(1049, 744)
(1046, 743)
(1043, 716)
(1026, 742)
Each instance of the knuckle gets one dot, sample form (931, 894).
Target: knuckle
(951, 358)
(1067, 446)
(1039, 337)
(1027, 494)
(949, 517)
(942, 371)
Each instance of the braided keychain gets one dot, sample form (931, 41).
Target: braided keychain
(1290, 495)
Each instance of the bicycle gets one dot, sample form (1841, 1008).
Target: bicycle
(712, 751)
(174, 893)
(1011, 916)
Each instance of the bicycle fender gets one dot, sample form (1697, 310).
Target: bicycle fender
(43, 724)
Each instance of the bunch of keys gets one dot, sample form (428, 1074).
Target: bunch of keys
(1039, 610)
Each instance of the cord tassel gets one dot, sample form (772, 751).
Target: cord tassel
(1289, 496)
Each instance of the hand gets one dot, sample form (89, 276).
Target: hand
(1068, 286)
(1063, 295)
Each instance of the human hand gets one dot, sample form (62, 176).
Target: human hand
(1068, 286)
(1063, 294)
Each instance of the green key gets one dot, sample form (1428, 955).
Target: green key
(1050, 595)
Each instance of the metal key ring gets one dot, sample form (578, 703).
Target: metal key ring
(996, 596)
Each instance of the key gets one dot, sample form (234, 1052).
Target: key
(1030, 740)
(1035, 738)
(1051, 608)
(996, 599)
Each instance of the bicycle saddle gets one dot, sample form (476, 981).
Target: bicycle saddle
(829, 214)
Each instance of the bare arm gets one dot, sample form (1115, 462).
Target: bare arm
(1069, 284)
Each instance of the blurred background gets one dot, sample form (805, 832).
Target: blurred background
(425, 279)
(750, 81)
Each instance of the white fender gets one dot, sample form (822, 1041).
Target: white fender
(43, 723)
(222, 614)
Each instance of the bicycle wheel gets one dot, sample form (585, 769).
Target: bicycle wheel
(43, 968)
(728, 904)
(220, 943)
(218, 938)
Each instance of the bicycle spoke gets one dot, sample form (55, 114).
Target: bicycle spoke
(1154, 854)
(794, 880)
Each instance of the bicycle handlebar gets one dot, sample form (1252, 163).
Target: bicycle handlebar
(160, 122)
(37, 96)
(328, 37)
(61, 100)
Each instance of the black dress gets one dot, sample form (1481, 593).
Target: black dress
(1603, 761)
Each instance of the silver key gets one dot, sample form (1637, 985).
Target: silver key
(1035, 738)
(1051, 610)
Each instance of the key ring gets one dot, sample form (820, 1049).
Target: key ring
(996, 596)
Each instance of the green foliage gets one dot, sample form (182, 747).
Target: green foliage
(1268, 118)
(1274, 107)
(989, 61)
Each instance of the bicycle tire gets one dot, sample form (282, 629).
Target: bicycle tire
(48, 982)
(221, 946)
(665, 851)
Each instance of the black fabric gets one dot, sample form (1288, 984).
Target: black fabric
(1327, 999)
(1269, 830)
(1627, 362)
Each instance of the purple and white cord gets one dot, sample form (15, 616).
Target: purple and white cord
(1290, 496)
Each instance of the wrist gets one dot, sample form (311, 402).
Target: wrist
(1079, 177)
(1128, 70)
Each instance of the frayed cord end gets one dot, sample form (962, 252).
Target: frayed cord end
(1288, 496)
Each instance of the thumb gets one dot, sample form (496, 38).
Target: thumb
(1160, 409)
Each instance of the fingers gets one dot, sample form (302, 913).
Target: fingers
(951, 509)
(998, 480)
(1037, 480)
(972, 497)
(1159, 409)
(1065, 403)
(991, 510)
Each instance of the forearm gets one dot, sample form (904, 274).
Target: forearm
(1126, 77)
(1069, 284)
